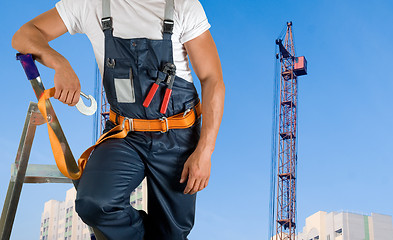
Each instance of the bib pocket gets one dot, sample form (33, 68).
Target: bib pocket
(124, 88)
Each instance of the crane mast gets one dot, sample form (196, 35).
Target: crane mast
(290, 68)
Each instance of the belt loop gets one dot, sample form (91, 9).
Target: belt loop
(166, 124)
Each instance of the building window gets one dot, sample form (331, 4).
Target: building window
(66, 229)
(328, 237)
(316, 238)
(339, 232)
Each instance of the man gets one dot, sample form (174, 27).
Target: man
(140, 46)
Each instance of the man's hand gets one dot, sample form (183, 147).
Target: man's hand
(67, 84)
(197, 170)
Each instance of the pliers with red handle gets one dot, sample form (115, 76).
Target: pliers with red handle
(170, 70)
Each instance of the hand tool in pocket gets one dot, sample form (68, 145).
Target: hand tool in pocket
(170, 71)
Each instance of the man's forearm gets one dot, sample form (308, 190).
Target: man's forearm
(29, 39)
(213, 94)
(197, 166)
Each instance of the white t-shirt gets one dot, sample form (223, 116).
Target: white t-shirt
(136, 19)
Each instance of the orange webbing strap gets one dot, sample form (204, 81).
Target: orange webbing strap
(181, 120)
(57, 149)
(178, 121)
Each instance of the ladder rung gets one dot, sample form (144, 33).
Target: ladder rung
(40, 173)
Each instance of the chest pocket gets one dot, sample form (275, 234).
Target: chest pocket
(121, 84)
(124, 88)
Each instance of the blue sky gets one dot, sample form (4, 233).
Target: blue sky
(345, 112)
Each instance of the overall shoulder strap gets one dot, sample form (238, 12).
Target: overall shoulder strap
(106, 20)
(168, 19)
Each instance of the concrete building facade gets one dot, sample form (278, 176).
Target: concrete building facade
(347, 226)
(59, 221)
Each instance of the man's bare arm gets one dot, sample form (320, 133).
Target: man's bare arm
(33, 38)
(206, 64)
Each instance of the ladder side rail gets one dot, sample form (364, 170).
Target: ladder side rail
(16, 182)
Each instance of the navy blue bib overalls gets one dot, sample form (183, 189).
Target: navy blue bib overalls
(117, 166)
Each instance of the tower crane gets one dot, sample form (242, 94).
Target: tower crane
(284, 156)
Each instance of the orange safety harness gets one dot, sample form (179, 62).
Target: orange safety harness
(123, 127)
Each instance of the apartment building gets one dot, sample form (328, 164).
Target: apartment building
(59, 221)
(347, 226)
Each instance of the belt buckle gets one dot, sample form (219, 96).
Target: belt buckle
(130, 123)
(162, 119)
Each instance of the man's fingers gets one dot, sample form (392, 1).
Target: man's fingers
(202, 185)
(184, 174)
(190, 185)
(57, 93)
(63, 96)
(206, 182)
(196, 186)
(69, 98)
(72, 98)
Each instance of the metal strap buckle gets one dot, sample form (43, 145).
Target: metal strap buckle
(168, 26)
(187, 111)
(130, 123)
(166, 124)
(106, 23)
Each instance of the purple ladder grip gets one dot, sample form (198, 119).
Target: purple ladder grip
(28, 65)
